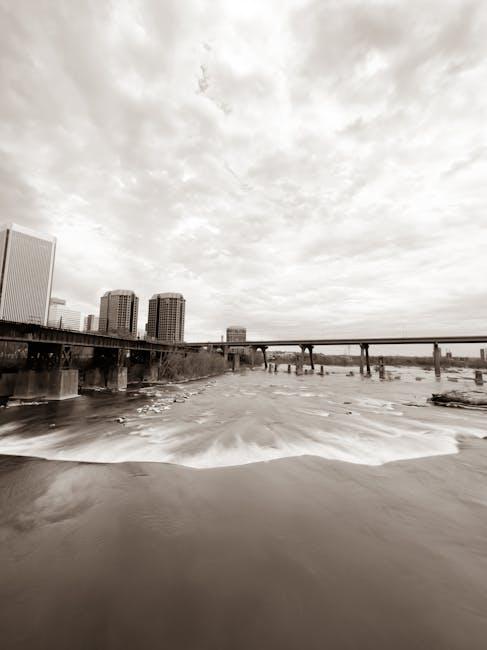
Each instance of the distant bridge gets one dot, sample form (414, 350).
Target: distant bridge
(386, 340)
(363, 343)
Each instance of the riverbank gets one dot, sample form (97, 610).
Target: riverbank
(294, 553)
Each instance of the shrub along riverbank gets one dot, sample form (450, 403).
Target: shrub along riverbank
(195, 364)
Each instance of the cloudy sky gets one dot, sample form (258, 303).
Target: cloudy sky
(301, 167)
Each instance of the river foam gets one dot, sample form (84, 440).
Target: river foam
(246, 418)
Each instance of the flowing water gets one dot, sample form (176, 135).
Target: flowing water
(249, 417)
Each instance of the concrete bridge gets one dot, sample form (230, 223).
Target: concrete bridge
(364, 343)
(49, 370)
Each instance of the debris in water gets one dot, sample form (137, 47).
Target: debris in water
(473, 399)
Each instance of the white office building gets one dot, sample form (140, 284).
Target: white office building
(62, 317)
(26, 269)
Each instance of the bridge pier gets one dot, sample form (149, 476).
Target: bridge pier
(299, 365)
(236, 362)
(54, 384)
(151, 367)
(311, 360)
(309, 347)
(109, 370)
(48, 374)
(361, 358)
(437, 359)
(264, 348)
(382, 370)
(253, 352)
(367, 361)
(142, 365)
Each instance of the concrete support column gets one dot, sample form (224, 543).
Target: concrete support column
(361, 359)
(236, 362)
(151, 372)
(225, 353)
(479, 379)
(289, 368)
(54, 384)
(109, 370)
(311, 362)
(117, 378)
(382, 370)
(264, 348)
(303, 350)
(276, 367)
(322, 370)
(252, 356)
(299, 365)
(151, 367)
(48, 374)
(367, 361)
(437, 359)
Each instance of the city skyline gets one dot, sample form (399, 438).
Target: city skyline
(318, 186)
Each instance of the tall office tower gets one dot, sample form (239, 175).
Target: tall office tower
(62, 317)
(26, 268)
(118, 313)
(166, 317)
(92, 323)
(236, 334)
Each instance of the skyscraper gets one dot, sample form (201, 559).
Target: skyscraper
(91, 323)
(118, 313)
(166, 317)
(27, 264)
(61, 316)
(236, 334)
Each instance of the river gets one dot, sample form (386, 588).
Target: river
(249, 417)
(252, 510)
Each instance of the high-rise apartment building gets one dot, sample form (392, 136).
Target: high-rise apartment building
(91, 323)
(62, 317)
(166, 317)
(118, 313)
(236, 334)
(26, 269)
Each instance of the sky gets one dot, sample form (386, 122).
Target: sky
(299, 167)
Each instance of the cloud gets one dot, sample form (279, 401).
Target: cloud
(302, 167)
